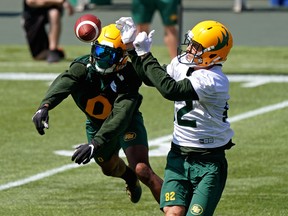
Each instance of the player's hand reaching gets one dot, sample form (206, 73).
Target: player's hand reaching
(127, 28)
(40, 119)
(85, 152)
(143, 43)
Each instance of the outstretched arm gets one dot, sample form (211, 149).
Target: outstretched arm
(169, 88)
(148, 68)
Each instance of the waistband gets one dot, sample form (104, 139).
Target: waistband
(199, 152)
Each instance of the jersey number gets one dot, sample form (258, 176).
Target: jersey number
(225, 113)
(98, 107)
(169, 196)
(184, 110)
(192, 123)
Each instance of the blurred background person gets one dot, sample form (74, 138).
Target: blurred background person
(239, 6)
(143, 12)
(279, 3)
(82, 5)
(36, 14)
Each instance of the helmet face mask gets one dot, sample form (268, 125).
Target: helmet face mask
(108, 52)
(190, 51)
(208, 43)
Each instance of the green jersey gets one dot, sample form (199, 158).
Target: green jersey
(108, 101)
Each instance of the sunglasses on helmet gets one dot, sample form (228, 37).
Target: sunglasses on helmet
(107, 54)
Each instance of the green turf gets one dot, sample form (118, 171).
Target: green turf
(244, 60)
(257, 184)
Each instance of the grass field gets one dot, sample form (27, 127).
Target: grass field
(36, 181)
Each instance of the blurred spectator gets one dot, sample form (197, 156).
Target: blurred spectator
(239, 6)
(279, 3)
(36, 14)
(81, 5)
(143, 12)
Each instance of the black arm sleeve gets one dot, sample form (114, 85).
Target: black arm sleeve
(140, 73)
(166, 85)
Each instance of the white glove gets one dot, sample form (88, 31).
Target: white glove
(143, 43)
(127, 28)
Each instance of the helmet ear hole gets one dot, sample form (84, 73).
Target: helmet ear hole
(212, 56)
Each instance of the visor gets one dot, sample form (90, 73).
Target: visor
(107, 54)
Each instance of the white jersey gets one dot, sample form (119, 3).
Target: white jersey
(202, 123)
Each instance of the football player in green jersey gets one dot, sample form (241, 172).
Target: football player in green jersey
(104, 85)
(196, 169)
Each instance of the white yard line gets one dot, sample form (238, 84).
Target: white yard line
(249, 81)
(259, 111)
(157, 142)
(38, 176)
(28, 76)
(161, 142)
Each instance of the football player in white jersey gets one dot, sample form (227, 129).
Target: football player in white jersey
(196, 169)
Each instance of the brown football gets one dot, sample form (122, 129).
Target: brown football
(87, 28)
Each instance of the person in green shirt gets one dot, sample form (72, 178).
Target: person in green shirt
(143, 13)
(105, 86)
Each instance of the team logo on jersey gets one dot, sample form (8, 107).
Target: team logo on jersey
(129, 136)
(196, 209)
(173, 17)
(113, 86)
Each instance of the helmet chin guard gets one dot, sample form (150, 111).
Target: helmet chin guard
(104, 71)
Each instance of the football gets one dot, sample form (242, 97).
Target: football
(87, 28)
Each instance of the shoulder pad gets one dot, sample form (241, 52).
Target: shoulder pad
(82, 60)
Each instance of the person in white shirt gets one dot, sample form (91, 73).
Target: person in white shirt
(196, 169)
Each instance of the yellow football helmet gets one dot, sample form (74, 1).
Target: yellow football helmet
(108, 52)
(211, 42)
